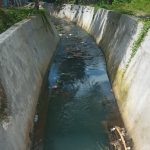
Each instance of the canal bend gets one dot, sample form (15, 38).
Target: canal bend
(81, 102)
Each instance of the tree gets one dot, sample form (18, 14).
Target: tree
(37, 4)
(76, 2)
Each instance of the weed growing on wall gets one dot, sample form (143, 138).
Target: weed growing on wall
(3, 103)
(143, 33)
(137, 43)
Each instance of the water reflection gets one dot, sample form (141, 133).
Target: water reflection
(72, 69)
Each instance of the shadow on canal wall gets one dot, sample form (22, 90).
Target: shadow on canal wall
(25, 53)
(130, 77)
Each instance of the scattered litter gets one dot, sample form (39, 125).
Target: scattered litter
(55, 87)
(6, 123)
(112, 129)
(36, 118)
(123, 132)
(60, 34)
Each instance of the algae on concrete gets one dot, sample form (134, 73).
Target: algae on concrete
(3, 103)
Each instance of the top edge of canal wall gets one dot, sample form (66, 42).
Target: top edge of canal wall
(25, 53)
(128, 68)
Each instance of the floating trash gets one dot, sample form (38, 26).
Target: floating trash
(54, 87)
(60, 34)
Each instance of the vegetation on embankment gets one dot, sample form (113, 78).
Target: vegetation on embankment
(132, 7)
(137, 43)
(10, 16)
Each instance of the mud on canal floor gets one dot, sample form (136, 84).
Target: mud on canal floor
(81, 103)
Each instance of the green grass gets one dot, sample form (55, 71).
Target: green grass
(135, 7)
(9, 17)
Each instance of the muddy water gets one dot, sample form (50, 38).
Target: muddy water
(81, 102)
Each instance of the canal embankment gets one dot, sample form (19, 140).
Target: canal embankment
(25, 53)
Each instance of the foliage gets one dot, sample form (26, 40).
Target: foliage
(134, 7)
(125, 6)
(10, 16)
(121, 1)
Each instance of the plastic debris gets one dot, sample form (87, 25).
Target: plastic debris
(112, 129)
(5, 125)
(36, 118)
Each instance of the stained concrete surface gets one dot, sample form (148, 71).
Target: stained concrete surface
(25, 53)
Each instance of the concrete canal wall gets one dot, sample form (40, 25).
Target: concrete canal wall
(25, 53)
(129, 74)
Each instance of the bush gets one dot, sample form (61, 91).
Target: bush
(121, 1)
(9, 17)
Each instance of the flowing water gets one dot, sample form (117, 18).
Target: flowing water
(81, 102)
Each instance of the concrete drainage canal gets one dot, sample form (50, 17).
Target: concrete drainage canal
(82, 112)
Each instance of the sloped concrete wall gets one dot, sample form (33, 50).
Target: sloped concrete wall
(25, 53)
(115, 33)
